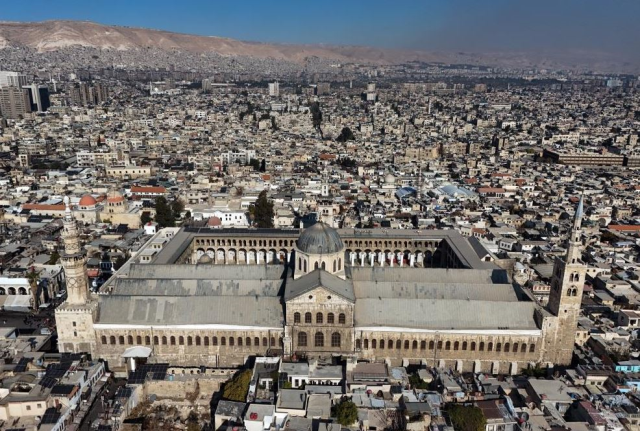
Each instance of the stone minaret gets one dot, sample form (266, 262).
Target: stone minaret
(75, 317)
(74, 260)
(565, 298)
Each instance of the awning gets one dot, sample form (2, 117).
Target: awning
(17, 303)
(137, 352)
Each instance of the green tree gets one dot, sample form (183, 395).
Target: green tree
(121, 260)
(465, 418)
(176, 209)
(255, 164)
(346, 413)
(164, 214)
(346, 135)
(263, 211)
(145, 217)
(263, 165)
(237, 388)
(55, 257)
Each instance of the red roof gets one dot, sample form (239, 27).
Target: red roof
(490, 190)
(148, 189)
(625, 227)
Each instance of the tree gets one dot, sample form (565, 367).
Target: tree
(263, 165)
(237, 388)
(55, 257)
(176, 209)
(346, 413)
(34, 278)
(145, 217)
(466, 418)
(121, 260)
(263, 211)
(346, 135)
(255, 164)
(164, 214)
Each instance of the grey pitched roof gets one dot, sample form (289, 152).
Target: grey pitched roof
(207, 272)
(444, 314)
(159, 310)
(184, 287)
(319, 278)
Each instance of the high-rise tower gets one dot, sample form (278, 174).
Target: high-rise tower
(565, 298)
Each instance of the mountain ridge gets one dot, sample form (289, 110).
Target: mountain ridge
(54, 35)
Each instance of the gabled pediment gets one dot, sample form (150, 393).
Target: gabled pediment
(316, 280)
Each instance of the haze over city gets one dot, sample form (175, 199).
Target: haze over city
(296, 216)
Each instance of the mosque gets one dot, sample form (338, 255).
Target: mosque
(215, 297)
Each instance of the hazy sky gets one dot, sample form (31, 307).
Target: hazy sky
(469, 25)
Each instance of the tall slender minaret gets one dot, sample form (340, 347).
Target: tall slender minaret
(565, 298)
(74, 259)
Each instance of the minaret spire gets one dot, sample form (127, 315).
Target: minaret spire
(74, 259)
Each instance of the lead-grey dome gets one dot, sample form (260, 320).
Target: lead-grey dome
(320, 239)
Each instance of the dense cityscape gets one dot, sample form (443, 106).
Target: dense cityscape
(211, 242)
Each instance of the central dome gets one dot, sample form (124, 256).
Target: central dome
(320, 239)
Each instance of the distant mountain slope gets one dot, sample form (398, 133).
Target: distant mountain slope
(53, 35)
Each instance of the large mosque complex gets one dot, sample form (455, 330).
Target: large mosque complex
(215, 297)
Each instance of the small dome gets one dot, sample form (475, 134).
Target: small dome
(115, 197)
(389, 179)
(87, 201)
(205, 258)
(320, 239)
(214, 221)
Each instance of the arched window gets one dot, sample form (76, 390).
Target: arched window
(473, 346)
(515, 347)
(358, 344)
(172, 340)
(164, 340)
(307, 318)
(339, 264)
(414, 345)
(256, 341)
(366, 343)
(239, 341)
(439, 345)
(139, 339)
(198, 340)
(330, 318)
(129, 339)
(315, 265)
(265, 342)
(398, 344)
(302, 339)
(147, 340)
(112, 340)
(432, 345)
(296, 317)
(247, 342)
(342, 319)
(382, 344)
(206, 341)
(223, 341)
(490, 347)
(300, 263)
(374, 344)
(324, 266)
(447, 345)
(156, 341)
(273, 341)
(423, 345)
(181, 340)
(507, 347)
(464, 345)
(406, 344)
(319, 318)
(232, 341)
(498, 347)
(121, 339)
(335, 340)
(456, 345)
(532, 348)
(335, 266)
(189, 340)
(103, 339)
(305, 265)
(214, 341)
(390, 344)
(319, 339)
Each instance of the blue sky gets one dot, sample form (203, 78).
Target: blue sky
(461, 25)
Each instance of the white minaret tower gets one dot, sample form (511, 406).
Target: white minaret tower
(74, 259)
